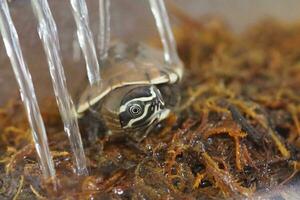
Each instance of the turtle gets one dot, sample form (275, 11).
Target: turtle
(137, 91)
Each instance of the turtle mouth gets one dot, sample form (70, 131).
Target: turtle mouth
(158, 117)
(151, 122)
(141, 133)
(163, 114)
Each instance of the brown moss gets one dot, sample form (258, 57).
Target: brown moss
(235, 134)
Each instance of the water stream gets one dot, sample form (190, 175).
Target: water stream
(163, 25)
(104, 31)
(48, 34)
(49, 37)
(86, 41)
(13, 48)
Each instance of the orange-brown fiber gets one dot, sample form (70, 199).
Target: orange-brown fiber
(236, 133)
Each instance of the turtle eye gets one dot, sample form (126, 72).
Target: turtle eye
(135, 110)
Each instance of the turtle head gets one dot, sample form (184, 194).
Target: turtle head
(141, 108)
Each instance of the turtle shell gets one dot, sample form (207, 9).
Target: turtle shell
(135, 64)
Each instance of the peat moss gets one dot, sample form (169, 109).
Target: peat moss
(235, 135)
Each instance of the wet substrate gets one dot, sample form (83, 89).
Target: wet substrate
(235, 135)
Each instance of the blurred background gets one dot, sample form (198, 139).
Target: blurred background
(131, 21)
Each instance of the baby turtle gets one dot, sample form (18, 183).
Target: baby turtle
(137, 91)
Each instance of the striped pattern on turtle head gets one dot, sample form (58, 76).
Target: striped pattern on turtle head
(141, 107)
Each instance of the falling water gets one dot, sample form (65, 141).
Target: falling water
(163, 24)
(104, 32)
(48, 33)
(85, 39)
(12, 45)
